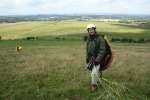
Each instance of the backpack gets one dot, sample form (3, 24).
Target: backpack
(108, 56)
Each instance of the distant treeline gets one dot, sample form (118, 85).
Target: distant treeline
(113, 39)
(126, 40)
(130, 40)
(13, 19)
(121, 40)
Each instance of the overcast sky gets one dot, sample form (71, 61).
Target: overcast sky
(19, 7)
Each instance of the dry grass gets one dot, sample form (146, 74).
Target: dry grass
(57, 72)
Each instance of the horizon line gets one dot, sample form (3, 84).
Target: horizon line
(90, 14)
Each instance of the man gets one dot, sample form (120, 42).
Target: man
(95, 51)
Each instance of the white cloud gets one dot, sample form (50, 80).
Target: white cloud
(74, 6)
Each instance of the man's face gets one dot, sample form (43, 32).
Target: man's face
(91, 31)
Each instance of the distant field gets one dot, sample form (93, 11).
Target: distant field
(54, 28)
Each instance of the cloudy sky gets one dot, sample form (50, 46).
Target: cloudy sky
(23, 7)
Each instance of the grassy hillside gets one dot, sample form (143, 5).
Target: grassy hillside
(54, 70)
(52, 67)
(49, 28)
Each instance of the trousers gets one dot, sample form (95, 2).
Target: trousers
(95, 75)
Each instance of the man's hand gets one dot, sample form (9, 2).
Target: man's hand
(91, 63)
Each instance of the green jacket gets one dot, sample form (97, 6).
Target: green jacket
(95, 47)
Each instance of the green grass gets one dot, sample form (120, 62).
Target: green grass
(54, 70)
(52, 67)
(52, 28)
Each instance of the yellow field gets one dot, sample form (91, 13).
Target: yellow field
(48, 28)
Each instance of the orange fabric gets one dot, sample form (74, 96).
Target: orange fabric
(106, 62)
(108, 57)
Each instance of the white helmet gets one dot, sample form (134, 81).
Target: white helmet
(91, 26)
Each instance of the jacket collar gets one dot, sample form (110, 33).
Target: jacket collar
(92, 37)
